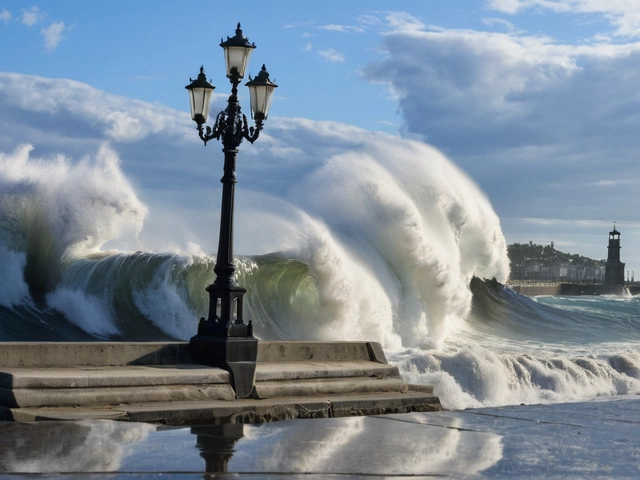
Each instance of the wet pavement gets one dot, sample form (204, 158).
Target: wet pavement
(596, 439)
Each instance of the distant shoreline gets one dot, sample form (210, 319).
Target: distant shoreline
(571, 289)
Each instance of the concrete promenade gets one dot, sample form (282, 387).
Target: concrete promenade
(160, 382)
(588, 440)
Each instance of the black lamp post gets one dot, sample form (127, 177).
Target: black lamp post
(224, 339)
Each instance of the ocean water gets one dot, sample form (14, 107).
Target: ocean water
(395, 245)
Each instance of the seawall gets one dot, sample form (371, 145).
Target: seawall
(160, 382)
(573, 289)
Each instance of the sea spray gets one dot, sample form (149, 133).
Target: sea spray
(471, 376)
(54, 210)
(514, 350)
(420, 227)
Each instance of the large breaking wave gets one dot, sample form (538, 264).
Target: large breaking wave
(389, 238)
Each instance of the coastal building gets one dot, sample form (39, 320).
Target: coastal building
(614, 268)
(539, 270)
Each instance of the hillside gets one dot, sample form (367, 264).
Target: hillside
(547, 255)
(532, 262)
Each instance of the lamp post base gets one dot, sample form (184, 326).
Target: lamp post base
(236, 355)
(225, 312)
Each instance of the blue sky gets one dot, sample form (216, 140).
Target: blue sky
(538, 101)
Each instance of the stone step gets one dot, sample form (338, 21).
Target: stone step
(119, 376)
(73, 354)
(57, 397)
(239, 411)
(76, 354)
(299, 351)
(270, 371)
(321, 386)
(39, 387)
(160, 382)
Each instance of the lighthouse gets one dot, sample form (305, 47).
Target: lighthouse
(614, 268)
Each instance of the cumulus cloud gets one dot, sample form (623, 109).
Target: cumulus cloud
(5, 15)
(31, 16)
(548, 129)
(331, 55)
(501, 89)
(53, 35)
(114, 117)
(623, 15)
(403, 21)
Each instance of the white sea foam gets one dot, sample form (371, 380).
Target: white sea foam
(472, 376)
(89, 312)
(416, 226)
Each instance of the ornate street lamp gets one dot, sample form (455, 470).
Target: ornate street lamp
(224, 339)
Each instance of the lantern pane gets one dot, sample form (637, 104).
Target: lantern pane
(261, 96)
(238, 57)
(200, 102)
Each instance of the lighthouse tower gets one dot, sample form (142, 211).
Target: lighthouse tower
(614, 268)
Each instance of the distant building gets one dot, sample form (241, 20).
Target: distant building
(614, 268)
(540, 271)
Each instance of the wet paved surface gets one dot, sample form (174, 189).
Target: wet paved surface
(597, 439)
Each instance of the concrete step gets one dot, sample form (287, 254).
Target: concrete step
(75, 354)
(72, 386)
(270, 371)
(37, 387)
(322, 386)
(293, 352)
(57, 397)
(159, 382)
(119, 376)
(239, 411)
(79, 354)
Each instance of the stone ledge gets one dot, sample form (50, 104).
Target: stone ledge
(119, 376)
(42, 397)
(322, 386)
(158, 382)
(239, 411)
(307, 370)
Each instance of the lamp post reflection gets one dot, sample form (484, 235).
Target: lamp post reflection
(217, 444)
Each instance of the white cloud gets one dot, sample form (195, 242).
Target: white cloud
(543, 126)
(403, 21)
(369, 20)
(32, 15)
(53, 35)
(509, 27)
(484, 82)
(623, 15)
(342, 28)
(331, 55)
(515, 6)
(5, 15)
(110, 116)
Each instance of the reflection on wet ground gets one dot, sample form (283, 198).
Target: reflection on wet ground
(591, 439)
